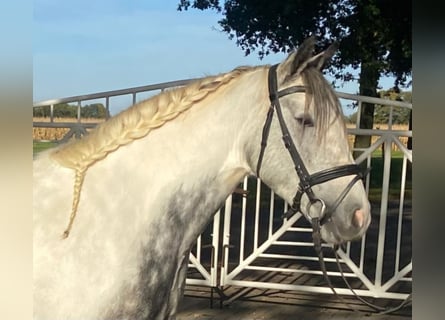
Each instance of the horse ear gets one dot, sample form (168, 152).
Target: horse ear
(290, 66)
(320, 60)
(302, 58)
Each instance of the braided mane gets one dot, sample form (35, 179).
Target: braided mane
(131, 124)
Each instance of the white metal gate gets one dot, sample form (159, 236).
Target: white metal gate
(262, 251)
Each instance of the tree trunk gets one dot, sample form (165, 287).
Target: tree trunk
(369, 77)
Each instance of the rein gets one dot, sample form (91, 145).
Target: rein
(307, 181)
(316, 237)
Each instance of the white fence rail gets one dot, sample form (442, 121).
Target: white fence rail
(253, 247)
(203, 261)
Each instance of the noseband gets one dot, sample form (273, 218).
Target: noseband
(307, 181)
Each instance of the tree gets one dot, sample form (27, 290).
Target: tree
(399, 115)
(64, 110)
(95, 110)
(374, 35)
(381, 113)
(42, 112)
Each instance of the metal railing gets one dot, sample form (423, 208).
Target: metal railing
(78, 128)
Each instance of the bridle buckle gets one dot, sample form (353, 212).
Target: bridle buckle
(317, 213)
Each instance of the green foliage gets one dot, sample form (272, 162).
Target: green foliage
(64, 110)
(399, 115)
(381, 112)
(373, 34)
(376, 182)
(95, 110)
(38, 146)
(352, 118)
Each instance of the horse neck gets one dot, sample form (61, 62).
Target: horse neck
(148, 201)
(215, 136)
(201, 156)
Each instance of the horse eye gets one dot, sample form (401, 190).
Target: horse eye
(305, 121)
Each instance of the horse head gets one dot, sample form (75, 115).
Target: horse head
(313, 169)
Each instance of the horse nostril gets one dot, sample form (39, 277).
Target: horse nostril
(358, 219)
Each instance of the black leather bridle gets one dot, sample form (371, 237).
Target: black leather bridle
(307, 180)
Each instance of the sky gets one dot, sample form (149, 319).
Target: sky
(86, 46)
